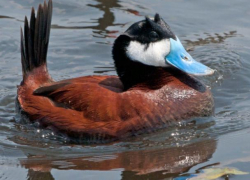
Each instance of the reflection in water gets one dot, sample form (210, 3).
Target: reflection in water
(161, 163)
(104, 22)
(216, 38)
(36, 175)
(106, 69)
(6, 17)
(108, 18)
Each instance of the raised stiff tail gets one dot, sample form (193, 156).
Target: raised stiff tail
(35, 40)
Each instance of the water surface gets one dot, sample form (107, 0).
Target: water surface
(215, 33)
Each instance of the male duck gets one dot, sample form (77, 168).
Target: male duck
(152, 89)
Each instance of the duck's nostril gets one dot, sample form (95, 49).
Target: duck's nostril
(184, 58)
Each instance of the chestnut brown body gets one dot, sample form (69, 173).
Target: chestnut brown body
(97, 108)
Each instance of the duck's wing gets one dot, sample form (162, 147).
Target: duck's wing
(47, 90)
(81, 93)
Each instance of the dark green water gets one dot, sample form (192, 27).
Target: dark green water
(216, 33)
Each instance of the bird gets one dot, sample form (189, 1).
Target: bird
(154, 87)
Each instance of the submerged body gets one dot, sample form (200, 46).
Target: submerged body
(105, 107)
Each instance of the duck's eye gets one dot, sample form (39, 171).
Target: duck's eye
(153, 35)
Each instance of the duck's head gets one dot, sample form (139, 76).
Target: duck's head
(148, 45)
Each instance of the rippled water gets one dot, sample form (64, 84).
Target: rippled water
(216, 33)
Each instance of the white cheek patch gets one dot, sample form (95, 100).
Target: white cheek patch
(153, 55)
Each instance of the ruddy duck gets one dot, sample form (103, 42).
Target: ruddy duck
(152, 89)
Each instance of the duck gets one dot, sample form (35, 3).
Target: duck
(155, 84)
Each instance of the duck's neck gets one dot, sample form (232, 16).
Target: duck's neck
(131, 73)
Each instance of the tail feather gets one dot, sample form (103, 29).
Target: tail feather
(35, 40)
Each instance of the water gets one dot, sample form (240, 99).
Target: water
(215, 33)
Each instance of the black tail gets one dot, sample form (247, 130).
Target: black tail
(35, 41)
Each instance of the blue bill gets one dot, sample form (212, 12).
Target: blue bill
(181, 59)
